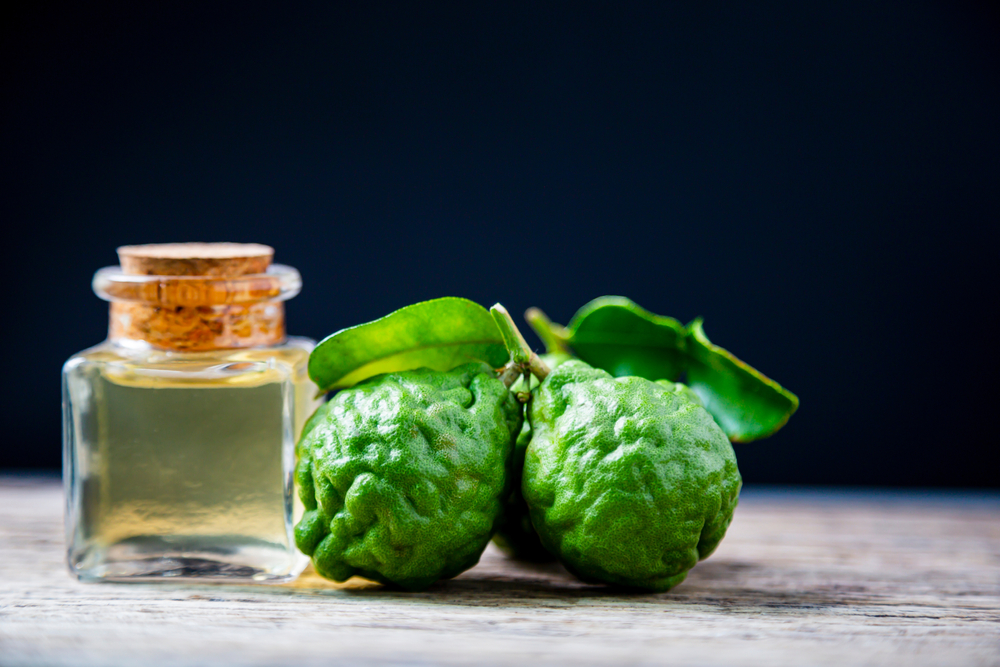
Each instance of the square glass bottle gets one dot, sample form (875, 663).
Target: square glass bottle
(179, 430)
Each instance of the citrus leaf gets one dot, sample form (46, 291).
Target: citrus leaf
(439, 334)
(615, 334)
(744, 402)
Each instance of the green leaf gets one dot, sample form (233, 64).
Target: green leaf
(744, 402)
(439, 334)
(615, 334)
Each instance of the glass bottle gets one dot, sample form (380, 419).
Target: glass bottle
(179, 429)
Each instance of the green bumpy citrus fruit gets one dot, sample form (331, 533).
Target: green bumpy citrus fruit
(403, 475)
(629, 482)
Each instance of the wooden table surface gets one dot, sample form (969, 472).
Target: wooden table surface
(805, 577)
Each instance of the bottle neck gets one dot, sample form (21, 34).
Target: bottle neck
(197, 313)
(197, 328)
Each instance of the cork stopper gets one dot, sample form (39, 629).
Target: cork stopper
(197, 296)
(195, 259)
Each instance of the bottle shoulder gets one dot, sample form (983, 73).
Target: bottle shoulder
(293, 348)
(287, 360)
(89, 356)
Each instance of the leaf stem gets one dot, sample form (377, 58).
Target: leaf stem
(553, 335)
(538, 367)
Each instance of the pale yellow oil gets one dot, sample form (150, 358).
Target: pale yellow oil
(184, 464)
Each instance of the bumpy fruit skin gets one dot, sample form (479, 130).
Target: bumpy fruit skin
(629, 482)
(403, 475)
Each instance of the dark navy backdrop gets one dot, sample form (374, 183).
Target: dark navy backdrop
(820, 181)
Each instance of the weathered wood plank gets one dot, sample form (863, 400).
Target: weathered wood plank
(803, 578)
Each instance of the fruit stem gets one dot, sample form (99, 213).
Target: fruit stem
(510, 374)
(521, 355)
(553, 335)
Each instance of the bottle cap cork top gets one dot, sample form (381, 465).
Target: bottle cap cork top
(195, 259)
(197, 296)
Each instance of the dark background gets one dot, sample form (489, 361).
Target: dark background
(820, 181)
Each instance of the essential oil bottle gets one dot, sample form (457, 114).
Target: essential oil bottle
(179, 429)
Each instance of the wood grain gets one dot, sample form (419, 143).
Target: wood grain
(804, 577)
